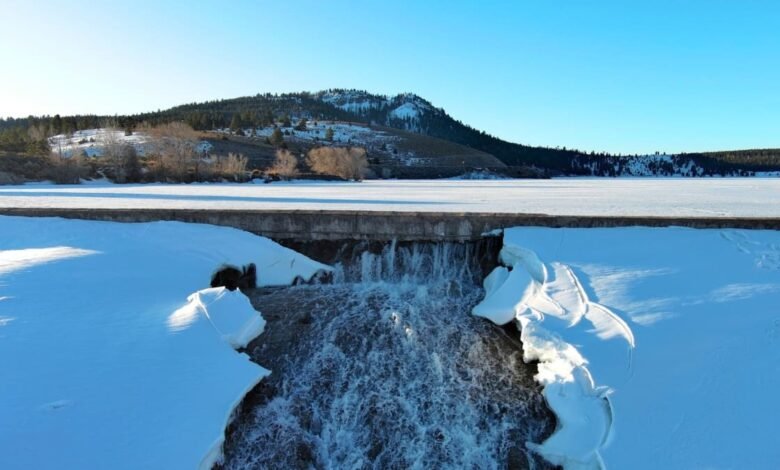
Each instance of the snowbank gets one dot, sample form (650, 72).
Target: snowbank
(106, 361)
(658, 348)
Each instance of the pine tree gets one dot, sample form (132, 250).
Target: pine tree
(301, 126)
(268, 118)
(56, 124)
(329, 134)
(235, 123)
(276, 139)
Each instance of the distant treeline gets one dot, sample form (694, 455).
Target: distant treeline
(28, 135)
(753, 160)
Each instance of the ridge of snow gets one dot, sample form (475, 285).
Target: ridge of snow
(528, 294)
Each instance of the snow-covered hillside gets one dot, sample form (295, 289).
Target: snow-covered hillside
(657, 348)
(403, 111)
(649, 165)
(113, 353)
(344, 133)
(354, 101)
(91, 142)
(377, 141)
(639, 165)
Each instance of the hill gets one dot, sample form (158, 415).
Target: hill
(406, 135)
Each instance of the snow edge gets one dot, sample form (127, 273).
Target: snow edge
(528, 291)
(236, 323)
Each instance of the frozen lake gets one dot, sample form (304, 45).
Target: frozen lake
(680, 197)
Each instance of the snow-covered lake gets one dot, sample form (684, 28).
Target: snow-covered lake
(682, 197)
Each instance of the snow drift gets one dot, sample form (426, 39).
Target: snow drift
(659, 379)
(111, 355)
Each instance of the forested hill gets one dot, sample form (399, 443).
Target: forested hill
(404, 111)
(408, 112)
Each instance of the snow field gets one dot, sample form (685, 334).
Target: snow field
(114, 356)
(680, 197)
(92, 142)
(657, 348)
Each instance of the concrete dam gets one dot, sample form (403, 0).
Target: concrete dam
(312, 225)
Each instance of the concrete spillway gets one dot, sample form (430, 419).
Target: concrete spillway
(382, 225)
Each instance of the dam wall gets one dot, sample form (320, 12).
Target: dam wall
(312, 225)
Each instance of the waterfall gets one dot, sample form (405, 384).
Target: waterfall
(385, 367)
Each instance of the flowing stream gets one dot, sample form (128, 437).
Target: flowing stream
(384, 367)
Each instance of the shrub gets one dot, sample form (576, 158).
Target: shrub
(22, 167)
(67, 170)
(344, 162)
(285, 166)
(10, 178)
(121, 157)
(231, 167)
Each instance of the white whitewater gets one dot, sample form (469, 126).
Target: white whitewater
(389, 370)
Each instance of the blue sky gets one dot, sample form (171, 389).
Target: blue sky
(620, 76)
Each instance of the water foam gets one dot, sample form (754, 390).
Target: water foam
(387, 368)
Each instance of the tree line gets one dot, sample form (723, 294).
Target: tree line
(28, 135)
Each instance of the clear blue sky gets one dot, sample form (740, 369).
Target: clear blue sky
(621, 76)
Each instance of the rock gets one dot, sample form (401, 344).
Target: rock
(228, 276)
(233, 278)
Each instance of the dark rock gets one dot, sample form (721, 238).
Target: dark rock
(233, 278)
(227, 276)
(248, 277)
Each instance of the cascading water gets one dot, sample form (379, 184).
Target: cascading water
(386, 368)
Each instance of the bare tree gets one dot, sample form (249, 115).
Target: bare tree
(38, 132)
(232, 167)
(175, 145)
(345, 162)
(67, 169)
(217, 167)
(111, 148)
(120, 156)
(285, 166)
